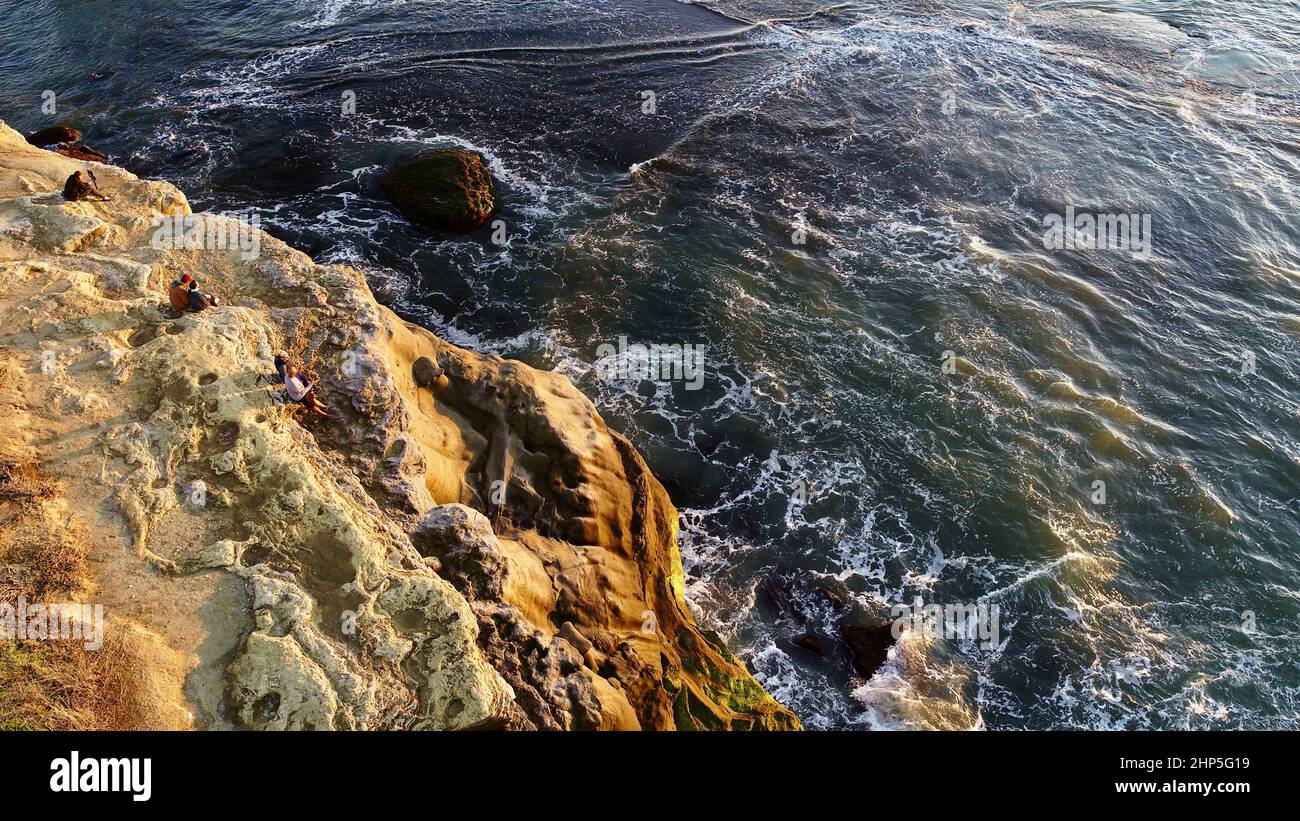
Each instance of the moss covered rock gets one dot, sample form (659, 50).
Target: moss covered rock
(446, 190)
(718, 693)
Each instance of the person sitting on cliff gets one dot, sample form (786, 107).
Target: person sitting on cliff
(200, 300)
(280, 364)
(81, 187)
(301, 390)
(178, 294)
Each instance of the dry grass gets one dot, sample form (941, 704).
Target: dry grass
(60, 685)
(42, 557)
(47, 684)
(41, 562)
(22, 482)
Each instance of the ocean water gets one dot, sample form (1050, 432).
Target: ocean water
(837, 199)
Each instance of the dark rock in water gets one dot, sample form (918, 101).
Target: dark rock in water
(82, 152)
(811, 643)
(807, 602)
(54, 135)
(292, 165)
(448, 190)
(869, 646)
(778, 592)
(63, 140)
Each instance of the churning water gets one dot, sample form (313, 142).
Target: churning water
(838, 200)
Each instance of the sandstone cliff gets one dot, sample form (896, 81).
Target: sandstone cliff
(465, 544)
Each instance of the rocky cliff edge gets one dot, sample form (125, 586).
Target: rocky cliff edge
(465, 544)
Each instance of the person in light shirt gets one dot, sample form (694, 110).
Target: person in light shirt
(301, 390)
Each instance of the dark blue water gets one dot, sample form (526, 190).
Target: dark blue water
(918, 146)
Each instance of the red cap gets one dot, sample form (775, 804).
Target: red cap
(185, 277)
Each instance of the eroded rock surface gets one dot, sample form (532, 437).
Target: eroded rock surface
(465, 544)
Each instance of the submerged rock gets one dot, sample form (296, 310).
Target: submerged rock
(868, 645)
(446, 190)
(811, 643)
(812, 604)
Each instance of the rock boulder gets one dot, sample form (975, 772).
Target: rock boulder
(54, 135)
(446, 190)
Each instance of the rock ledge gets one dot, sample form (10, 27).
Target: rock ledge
(464, 545)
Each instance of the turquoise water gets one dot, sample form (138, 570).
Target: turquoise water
(918, 147)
